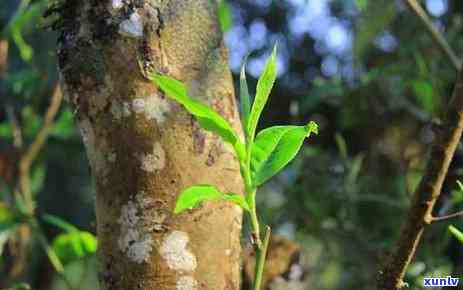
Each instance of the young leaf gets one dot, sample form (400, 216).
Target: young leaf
(457, 233)
(264, 86)
(460, 185)
(275, 147)
(74, 245)
(225, 15)
(193, 196)
(245, 100)
(207, 118)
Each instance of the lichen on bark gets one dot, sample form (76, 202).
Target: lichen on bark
(143, 148)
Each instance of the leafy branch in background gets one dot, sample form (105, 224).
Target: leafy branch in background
(19, 220)
(260, 156)
(420, 214)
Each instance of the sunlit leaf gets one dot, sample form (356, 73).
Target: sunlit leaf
(264, 86)
(225, 15)
(456, 233)
(275, 147)
(245, 99)
(9, 220)
(74, 245)
(424, 93)
(26, 14)
(19, 286)
(8, 217)
(207, 118)
(64, 126)
(193, 196)
(361, 4)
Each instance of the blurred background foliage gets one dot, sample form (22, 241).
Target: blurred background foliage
(365, 70)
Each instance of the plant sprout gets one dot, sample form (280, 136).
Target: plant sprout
(260, 156)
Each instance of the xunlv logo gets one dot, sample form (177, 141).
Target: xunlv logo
(448, 281)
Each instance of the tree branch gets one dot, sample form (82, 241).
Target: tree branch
(420, 213)
(33, 150)
(434, 33)
(447, 217)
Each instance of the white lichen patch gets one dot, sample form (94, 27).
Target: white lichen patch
(138, 105)
(279, 283)
(95, 154)
(120, 110)
(87, 133)
(132, 27)
(134, 240)
(174, 251)
(117, 4)
(153, 107)
(155, 160)
(187, 283)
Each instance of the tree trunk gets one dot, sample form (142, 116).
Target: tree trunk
(144, 149)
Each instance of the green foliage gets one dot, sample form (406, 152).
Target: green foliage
(63, 127)
(69, 246)
(245, 99)
(19, 286)
(424, 93)
(193, 196)
(26, 14)
(264, 86)
(74, 245)
(9, 220)
(225, 15)
(361, 4)
(376, 17)
(207, 118)
(275, 147)
(456, 233)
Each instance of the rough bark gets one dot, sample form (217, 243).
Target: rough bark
(144, 149)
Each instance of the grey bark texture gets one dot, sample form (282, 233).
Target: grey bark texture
(143, 148)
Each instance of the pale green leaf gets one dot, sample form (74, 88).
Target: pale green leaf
(225, 15)
(19, 286)
(460, 185)
(275, 147)
(456, 233)
(245, 99)
(424, 94)
(193, 196)
(207, 118)
(264, 86)
(75, 245)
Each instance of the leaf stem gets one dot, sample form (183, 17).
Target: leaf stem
(254, 220)
(261, 254)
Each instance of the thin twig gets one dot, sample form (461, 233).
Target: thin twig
(420, 214)
(447, 217)
(3, 57)
(34, 149)
(15, 128)
(434, 33)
